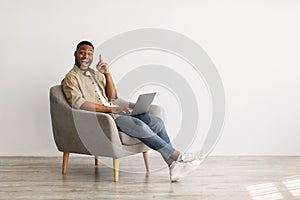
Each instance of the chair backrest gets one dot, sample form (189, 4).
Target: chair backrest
(57, 96)
(63, 127)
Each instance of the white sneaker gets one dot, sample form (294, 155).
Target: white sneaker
(188, 157)
(180, 169)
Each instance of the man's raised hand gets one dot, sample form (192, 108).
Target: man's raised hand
(102, 66)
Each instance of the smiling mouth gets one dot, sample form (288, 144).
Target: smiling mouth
(86, 61)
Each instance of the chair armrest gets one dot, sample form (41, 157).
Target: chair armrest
(97, 131)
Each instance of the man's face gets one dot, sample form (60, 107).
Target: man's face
(84, 57)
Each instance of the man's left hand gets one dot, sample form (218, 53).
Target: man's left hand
(102, 66)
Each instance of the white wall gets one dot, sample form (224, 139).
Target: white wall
(254, 45)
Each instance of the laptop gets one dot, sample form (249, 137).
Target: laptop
(143, 104)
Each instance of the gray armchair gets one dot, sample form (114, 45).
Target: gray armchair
(92, 133)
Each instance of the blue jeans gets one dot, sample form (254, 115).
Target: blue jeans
(149, 129)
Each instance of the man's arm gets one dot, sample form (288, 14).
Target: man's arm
(111, 91)
(110, 88)
(90, 106)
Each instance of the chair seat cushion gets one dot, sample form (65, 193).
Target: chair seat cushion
(128, 140)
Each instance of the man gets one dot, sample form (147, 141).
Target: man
(92, 90)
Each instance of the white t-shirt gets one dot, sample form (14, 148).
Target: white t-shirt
(103, 100)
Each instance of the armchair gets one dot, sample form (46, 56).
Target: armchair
(92, 133)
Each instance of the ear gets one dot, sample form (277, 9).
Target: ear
(75, 53)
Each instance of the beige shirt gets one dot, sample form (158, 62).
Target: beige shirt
(78, 87)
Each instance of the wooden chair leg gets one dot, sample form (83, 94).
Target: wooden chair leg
(65, 162)
(96, 160)
(116, 169)
(146, 159)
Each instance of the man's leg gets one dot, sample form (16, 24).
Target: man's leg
(137, 128)
(156, 124)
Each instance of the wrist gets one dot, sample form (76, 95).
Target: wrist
(106, 73)
(109, 109)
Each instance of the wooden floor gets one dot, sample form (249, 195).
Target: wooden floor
(218, 178)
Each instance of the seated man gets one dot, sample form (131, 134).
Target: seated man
(92, 90)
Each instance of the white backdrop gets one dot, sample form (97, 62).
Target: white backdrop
(255, 46)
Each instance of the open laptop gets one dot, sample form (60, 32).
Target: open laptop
(143, 104)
